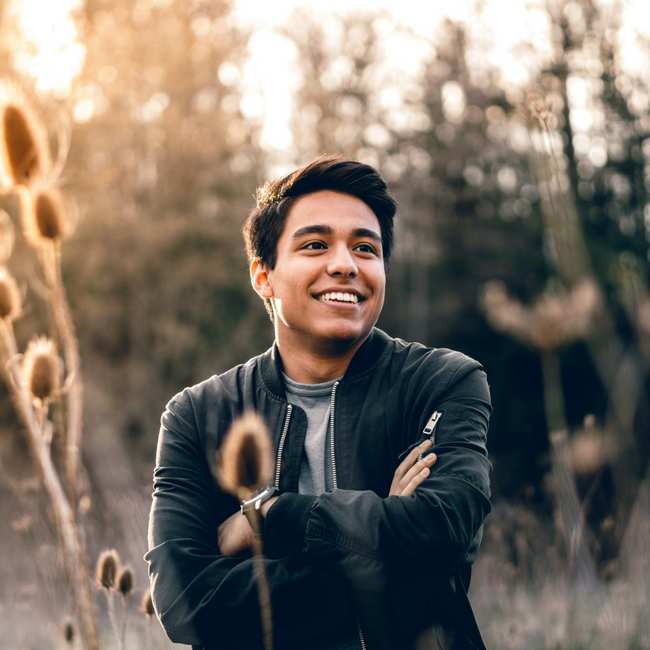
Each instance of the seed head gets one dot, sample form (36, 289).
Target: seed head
(245, 457)
(553, 321)
(45, 214)
(24, 151)
(69, 631)
(539, 108)
(124, 581)
(147, 603)
(9, 296)
(107, 567)
(42, 369)
(6, 236)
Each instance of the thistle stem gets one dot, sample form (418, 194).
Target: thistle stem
(148, 641)
(110, 601)
(51, 261)
(572, 515)
(264, 593)
(64, 513)
(125, 613)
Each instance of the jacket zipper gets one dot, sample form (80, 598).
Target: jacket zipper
(430, 429)
(363, 642)
(281, 445)
(335, 482)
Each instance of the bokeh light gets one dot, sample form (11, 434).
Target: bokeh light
(49, 50)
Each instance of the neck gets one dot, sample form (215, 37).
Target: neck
(315, 367)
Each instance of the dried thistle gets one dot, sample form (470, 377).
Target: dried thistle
(24, 150)
(124, 586)
(540, 109)
(45, 214)
(245, 459)
(107, 567)
(147, 604)
(244, 463)
(6, 236)
(553, 321)
(124, 581)
(42, 369)
(591, 448)
(69, 631)
(10, 301)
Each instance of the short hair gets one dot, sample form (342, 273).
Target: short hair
(266, 221)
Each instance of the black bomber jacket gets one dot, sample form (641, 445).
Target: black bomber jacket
(354, 562)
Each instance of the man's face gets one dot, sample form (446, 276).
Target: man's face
(329, 280)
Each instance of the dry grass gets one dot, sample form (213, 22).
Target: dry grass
(524, 598)
(520, 593)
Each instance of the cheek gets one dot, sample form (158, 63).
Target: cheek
(380, 285)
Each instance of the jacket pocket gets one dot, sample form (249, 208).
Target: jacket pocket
(428, 433)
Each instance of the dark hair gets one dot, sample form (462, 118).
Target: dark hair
(266, 220)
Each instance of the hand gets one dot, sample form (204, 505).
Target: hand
(234, 535)
(411, 471)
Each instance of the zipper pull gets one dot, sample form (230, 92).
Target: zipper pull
(431, 424)
(430, 429)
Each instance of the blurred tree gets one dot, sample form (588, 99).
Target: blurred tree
(595, 218)
(164, 166)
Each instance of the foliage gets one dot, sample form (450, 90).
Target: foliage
(165, 172)
(164, 164)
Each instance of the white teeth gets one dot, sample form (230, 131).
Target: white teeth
(339, 297)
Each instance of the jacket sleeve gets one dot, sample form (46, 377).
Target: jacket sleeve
(204, 598)
(373, 541)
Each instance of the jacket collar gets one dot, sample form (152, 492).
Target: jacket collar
(364, 358)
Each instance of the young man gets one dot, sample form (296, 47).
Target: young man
(369, 544)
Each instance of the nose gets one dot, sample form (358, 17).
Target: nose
(342, 263)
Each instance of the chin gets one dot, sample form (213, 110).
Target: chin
(341, 335)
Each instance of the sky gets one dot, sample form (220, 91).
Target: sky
(51, 52)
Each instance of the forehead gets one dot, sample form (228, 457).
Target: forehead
(341, 212)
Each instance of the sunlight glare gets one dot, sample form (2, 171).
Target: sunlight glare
(50, 51)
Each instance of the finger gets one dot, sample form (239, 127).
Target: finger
(425, 462)
(415, 481)
(398, 486)
(410, 460)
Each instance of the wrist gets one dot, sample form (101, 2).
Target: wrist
(267, 506)
(260, 497)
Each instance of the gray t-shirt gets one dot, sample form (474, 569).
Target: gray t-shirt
(315, 465)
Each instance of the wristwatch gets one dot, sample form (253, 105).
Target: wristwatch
(259, 497)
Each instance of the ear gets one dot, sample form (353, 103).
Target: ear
(260, 279)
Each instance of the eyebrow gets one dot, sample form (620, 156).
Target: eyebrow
(318, 229)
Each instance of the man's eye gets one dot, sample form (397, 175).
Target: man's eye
(314, 246)
(366, 248)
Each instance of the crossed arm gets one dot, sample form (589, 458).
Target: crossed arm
(235, 533)
(204, 595)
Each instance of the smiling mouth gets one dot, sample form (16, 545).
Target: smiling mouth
(349, 298)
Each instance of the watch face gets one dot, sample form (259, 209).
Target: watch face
(258, 497)
(260, 492)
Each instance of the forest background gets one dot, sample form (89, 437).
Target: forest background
(523, 178)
